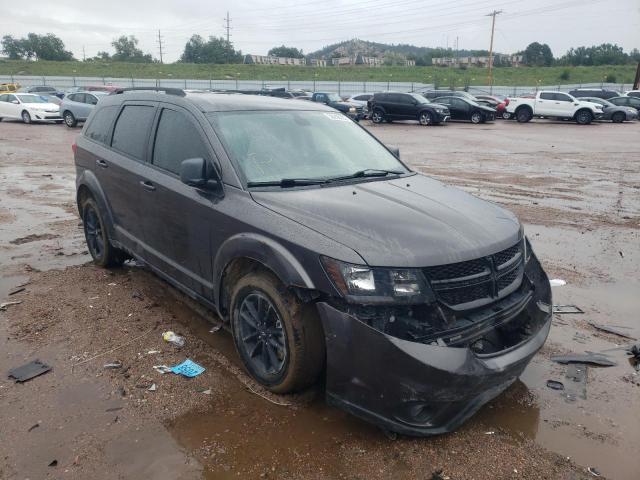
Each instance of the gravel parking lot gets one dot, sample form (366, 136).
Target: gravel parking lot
(576, 189)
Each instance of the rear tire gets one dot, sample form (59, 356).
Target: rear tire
(506, 115)
(618, 117)
(95, 232)
(26, 117)
(524, 115)
(583, 117)
(377, 116)
(69, 119)
(279, 339)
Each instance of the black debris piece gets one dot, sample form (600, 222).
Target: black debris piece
(54, 463)
(439, 475)
(593, 471)
(33, 427)
(555, 385)
(567, 309)
(17, 290)
(588, 358)
(113, 409)
(28, 371)
(635, 350)
(614, 330)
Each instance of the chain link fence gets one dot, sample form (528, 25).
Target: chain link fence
(340, 87)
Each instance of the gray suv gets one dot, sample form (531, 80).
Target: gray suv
(323, 251)
(76, 107)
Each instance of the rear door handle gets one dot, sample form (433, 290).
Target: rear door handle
(147, 185)
(102, 163)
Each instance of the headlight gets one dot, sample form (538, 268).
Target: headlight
(352, 109)
(363, 284)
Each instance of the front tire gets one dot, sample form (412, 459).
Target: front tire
(618, 117)
(584, 117)
(377, 116)
(26, 117)
(476, 117)
(95, 233)
(279, 338)
(69, 119)
(506, 115)
(425, 118)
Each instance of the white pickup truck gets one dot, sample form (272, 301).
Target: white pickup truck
(553, 105)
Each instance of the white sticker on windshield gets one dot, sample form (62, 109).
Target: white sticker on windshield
(337, 116)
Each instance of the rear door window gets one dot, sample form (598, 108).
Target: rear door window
(177, 139)
(547, 96)
(131, 131)
(99, 127)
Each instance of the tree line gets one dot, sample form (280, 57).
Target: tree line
(218, 50)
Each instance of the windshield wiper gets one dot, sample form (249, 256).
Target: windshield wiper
(287, 182)
(369, 172)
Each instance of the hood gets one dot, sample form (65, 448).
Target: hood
(347, 104)
(413, 221)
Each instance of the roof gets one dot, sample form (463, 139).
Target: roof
(220, 102)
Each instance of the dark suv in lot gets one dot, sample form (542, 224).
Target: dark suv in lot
(323, 251)
(389, 106)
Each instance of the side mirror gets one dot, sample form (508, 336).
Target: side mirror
(193, 172)
(395, 151)
(15, 102)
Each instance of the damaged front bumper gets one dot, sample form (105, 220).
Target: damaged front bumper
(421, 389)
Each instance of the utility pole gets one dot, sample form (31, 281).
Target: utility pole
(457, 53)
(636, 82)
(84, 57)
(493, 27)
(160, 45)
(228, 26)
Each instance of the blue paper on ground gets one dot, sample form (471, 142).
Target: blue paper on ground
(188, 369)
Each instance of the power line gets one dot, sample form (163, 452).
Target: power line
(493, 27)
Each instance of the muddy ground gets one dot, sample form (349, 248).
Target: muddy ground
(576, 189)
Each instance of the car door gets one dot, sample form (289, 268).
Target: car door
(563, 105)
(546, 104)
(177, 217)
(458, 108)
(86, 104)
(12, 107)
(120, 172)
(4, 107)
(407, 107)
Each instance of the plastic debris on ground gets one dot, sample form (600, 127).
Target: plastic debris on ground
(589, 358)
(4, 305)
(162, 369)
(555, 385)
(567, 309)
(557, 282)
(215, 328)
(171, 337)
(188, 368)
(613, 329)
(152, 388)
(593, 471)
(113, 365)
(29, 371)
(153, 352)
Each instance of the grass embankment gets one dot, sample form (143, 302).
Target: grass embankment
(528, 76)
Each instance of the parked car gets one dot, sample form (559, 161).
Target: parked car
(360, 99)
(325, 253)
(552, 104)
(44, 90)
(497, 103)
(615, 113)
(389, 106)
(463, 108)
(633, 93)
(627, 101)
(76, 107)
(433, 94)
(594, 92)
(9, 88)
(334, 101)
(28, 107)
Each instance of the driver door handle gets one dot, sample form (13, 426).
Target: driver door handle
(101, 163)
(147, 185)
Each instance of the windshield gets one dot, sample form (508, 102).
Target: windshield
(32, 99)
(270, 146)
(419, 98)
(334, 97)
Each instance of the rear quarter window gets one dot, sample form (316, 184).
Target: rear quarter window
(132, 128)
(100, 125)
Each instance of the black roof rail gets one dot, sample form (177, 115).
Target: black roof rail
(168, 90)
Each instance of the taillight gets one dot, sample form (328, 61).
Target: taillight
(74, 147)
(506, 102)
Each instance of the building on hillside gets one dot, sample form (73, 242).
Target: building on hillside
(506, 60)
(317, 62)
(371, 61)
(271, 60)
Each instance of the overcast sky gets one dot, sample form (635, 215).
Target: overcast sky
(258, 25)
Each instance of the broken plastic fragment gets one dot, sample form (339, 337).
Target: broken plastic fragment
(188, 368)
(162, 369)
(591, 358)
(152, 388)
(555, 385)
(215, 328)
(557, 282)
